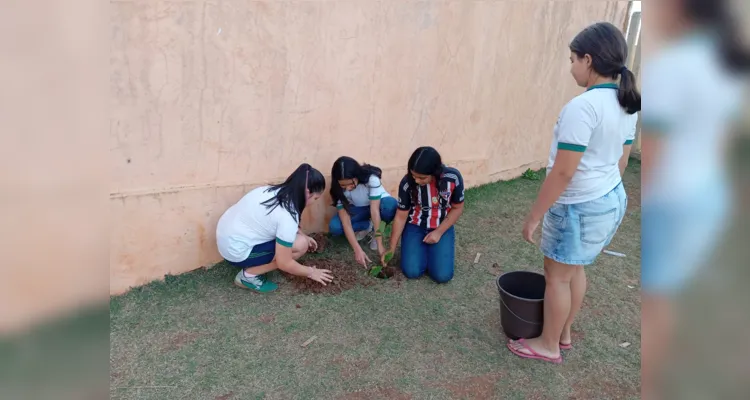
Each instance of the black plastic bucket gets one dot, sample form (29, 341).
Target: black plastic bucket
(521, 303)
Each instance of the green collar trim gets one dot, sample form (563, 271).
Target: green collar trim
(604, 86)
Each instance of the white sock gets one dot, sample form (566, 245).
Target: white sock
(248, 275)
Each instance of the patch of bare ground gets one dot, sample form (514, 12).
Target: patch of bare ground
(180, 340)
(376, 394)
(475, 387)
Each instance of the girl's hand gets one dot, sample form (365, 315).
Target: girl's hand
(433, 237)
(312, 245)
(322, 276)
(529, 227)
(382, 259)
(361, 257)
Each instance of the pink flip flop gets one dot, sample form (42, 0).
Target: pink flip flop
(534, 355)
(566, 346)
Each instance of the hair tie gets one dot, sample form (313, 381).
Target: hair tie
(623, 69)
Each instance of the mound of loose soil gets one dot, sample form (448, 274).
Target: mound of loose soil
(322, 241)
(346, 275)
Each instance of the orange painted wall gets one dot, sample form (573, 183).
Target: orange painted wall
(212, 98)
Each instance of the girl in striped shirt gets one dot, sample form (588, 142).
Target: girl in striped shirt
(431, 198)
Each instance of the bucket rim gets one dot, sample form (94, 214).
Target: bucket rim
(497, 283)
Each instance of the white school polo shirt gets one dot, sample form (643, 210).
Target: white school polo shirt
(364, 192)
(692, 101)
(249, 223)
(595, 124)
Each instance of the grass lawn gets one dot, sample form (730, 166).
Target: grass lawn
(196, 336)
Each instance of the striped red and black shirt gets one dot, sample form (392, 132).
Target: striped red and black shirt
(433, 201)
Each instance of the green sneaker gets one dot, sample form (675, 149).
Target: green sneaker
(257, 283)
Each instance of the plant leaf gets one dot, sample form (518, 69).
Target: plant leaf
(375, 270)
(381, 228)
(388, 257)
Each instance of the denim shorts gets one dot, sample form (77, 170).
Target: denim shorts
(575, 234)
(680, 235)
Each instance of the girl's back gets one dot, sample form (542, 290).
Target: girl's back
(596, 124)
(693, 120)
(249, 222)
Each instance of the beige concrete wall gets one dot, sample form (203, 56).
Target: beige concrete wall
(212, 98)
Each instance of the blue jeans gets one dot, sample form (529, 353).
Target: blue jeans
(360, 216)
(437, 259)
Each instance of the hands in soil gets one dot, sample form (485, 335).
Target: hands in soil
(383, 271)
(361, 257)
(385, 258)
(322, 276)
(312, 245)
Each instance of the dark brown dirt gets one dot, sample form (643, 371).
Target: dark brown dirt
(322, 241)
(386, 273)
(346, 275)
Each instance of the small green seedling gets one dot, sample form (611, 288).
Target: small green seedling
(383, 230)
(388, 257)
(531, 175)
(375, 270)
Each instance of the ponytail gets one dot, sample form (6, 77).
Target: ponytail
(627, 94)
(609, 50)
(369, 170)
(292, 194)
(716, 15)
(736, 57)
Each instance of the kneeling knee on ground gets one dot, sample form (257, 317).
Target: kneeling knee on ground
(441, 277)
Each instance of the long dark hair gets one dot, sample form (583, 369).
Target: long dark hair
(425, 161)
(717, 14)
(348, 168)
(609, 51)
(292, 193)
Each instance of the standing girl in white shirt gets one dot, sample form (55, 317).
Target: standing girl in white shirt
(362, 202)
(696, 83)
(582, 200)
(261, 232)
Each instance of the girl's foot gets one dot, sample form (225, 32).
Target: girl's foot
(533, 348)
(373, 245)
(565, 340)
(257, 283)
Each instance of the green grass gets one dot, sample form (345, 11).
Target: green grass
(197, 337)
